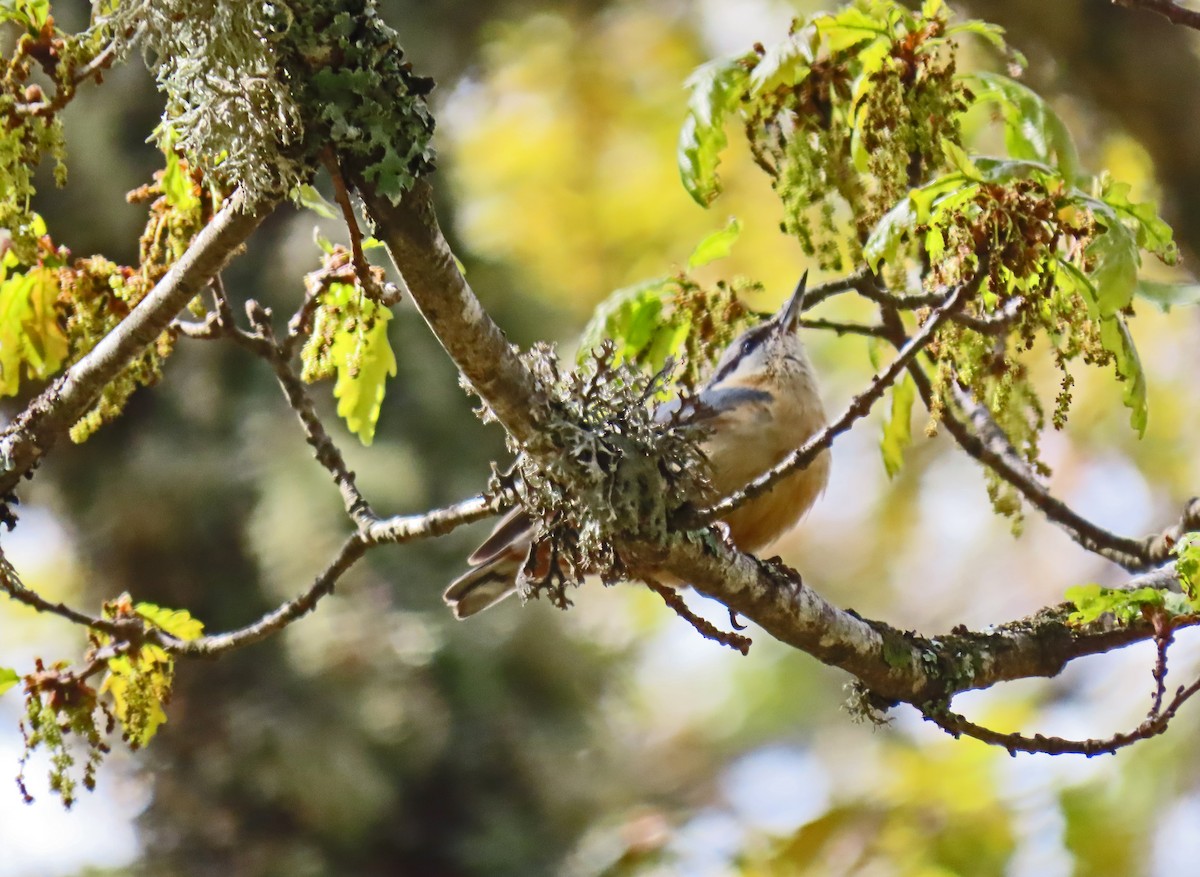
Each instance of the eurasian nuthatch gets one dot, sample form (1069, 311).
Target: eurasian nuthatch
(760, 404)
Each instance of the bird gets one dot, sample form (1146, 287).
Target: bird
(759, 404)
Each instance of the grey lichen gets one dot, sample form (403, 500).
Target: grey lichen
(255, 91)
(609, 463)
(227, 106)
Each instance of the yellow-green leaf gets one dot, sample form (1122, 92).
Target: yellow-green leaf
(364, 361)
(179, 623)
(8, 678)
(716, 245)
(897, 429)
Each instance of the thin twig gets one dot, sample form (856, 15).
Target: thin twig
(866, 284)
(818, 294)
(671, 597)
(1164, 635)
(11, 584)
(990, 446)
(999, 455)
(325, 450)
(273, 622)
(406, 528)
(1173, 12)
(844, 328)
(993, 324)
(858, 408)
(361, 267)
(956, 726)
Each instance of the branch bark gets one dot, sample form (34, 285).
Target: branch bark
(52, 413)
(445, 300)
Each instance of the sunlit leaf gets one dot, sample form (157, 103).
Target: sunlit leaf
(46, 345)
(897, 429)
(1092, 601)
(960, 160)
(30, 334)
(179, 623)
(716, 245)
(1115, 260)
(631, 318)
(1115, 337)
(178, 187)
(31, 14)
(308, 197)
(8, 678)
(716, 88)
(365, 361)
(889, 233)
(1187, 567)
(1169, 295)
(14, 313)
(1032, 130)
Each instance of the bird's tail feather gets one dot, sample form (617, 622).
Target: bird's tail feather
(482, 586)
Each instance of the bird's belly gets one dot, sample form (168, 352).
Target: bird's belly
(764, 519)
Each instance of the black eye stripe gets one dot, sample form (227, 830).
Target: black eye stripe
(753, 339)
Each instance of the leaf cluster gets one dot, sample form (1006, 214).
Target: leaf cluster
(857, 118)
(674, 317)
(139, 679)
(844, 115)
(1124, 605)
(349, 340)
(60, 707)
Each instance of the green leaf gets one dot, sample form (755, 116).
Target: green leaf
(627, 317)
(1187, 567)
(1169, 295)
(1092, 601)
(178, 187)
(1115, 261)
(885, 240)
(716, 88)
(897, 429)
(14, 313)
(8, 678)
(850, 27)
(31, 14)
(309, 198)
(1150, 230)
(1115, 338)
(364, 361)
(960, 160)
(715, 245)
(993, 33)
(46, 345)
(1032, 130)
(785, 63)
(179, 623)
(30, 335)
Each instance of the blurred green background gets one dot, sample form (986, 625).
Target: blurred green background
(380, 737)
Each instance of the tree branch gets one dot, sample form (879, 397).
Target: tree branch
(273, 622)
(35, 430)
(1173, 12)
(473, 341)
(990, 446)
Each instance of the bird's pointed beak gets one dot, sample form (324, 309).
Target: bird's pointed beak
(789, 314)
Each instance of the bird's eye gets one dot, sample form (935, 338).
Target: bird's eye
(748, 345)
